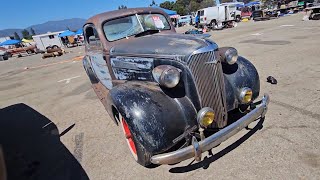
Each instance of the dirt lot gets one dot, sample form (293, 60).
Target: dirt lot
(90, 145)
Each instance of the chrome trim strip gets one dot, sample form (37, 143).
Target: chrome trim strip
(215, 139)
(179, 58)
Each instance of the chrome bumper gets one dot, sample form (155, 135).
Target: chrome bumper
(197, 148)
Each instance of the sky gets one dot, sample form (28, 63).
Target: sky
(24, 13)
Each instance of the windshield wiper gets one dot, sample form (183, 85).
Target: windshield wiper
(147, 32)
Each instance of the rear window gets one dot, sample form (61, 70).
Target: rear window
(201, 13)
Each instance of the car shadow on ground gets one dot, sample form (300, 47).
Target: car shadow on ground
(32, 148)
(205, 163)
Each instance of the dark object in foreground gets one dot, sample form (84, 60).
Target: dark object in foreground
(272, 80)
(193, 31)
(32, 148)
(170, 93)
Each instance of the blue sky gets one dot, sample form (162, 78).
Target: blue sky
(23, 13)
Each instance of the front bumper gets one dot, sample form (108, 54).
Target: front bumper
(197, 148)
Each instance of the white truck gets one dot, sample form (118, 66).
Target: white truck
(218, 15)
(48, 40)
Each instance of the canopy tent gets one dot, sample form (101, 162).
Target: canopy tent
(169, 12)
(67, 33)
(239, 5)
(10, 42)
(252, 3)
(79, 32)
(26, 40)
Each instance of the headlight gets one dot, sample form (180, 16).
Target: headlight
(245, 95)
(231, 55)
(205, 117)
(228, 55)
(166, 75)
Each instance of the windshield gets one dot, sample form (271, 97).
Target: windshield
(134, 24)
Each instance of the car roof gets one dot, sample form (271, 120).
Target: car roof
(100, 18)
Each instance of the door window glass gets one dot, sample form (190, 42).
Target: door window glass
(91, 36)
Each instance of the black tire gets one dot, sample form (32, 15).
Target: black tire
(5, 57)
(213, 24)
(48, 48)
(55, 47)
(139, 153)
(238, 18)
(29, 51)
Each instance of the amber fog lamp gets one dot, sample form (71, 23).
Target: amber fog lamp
(166, 75)
(246, 95)
(205, 117)
(231, 55)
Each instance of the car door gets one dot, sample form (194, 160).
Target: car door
(95, 55)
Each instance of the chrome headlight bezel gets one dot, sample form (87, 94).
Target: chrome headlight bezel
(231, 55)
(202, 113)
(166, 75)
(245, 92)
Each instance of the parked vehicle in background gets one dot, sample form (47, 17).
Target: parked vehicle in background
(315, 12)
(260, 15)
(246, 13)
(4, 55)
(21, 48)
(48, 41)
(222, 14)
(193, 18)
(237, 4)
(175, 96)
(183, 20)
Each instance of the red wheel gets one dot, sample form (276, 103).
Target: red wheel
(138, 151)
(129, 138)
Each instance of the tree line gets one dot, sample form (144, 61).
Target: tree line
(25, 34)
(184, 7)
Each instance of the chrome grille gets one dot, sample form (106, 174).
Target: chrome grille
(208, 76)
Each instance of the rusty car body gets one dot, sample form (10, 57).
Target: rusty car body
(172, 94)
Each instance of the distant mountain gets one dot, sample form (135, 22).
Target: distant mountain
(9, 32)
(50, 26)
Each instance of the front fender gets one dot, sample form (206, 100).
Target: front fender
(155, 119)
(239, 75)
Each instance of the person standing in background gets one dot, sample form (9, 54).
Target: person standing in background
(197, 19)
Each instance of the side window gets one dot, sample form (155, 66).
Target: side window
(91, 37)
(202, 13)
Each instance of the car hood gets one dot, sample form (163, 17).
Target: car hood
(161, 44)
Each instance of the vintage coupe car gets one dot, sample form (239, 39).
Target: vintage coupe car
(172, 94)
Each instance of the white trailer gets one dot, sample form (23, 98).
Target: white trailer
(221, 14)
(49, 39)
